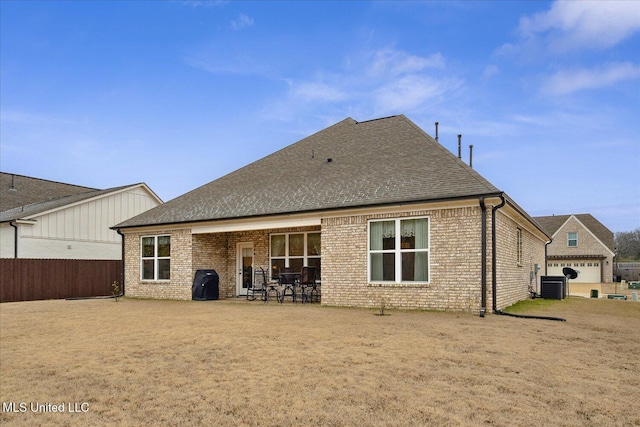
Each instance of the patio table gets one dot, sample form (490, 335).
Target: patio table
(289, 282)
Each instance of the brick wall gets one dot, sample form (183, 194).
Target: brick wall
(179, 287)
(455, 254)
(513, 279)
(455, 262)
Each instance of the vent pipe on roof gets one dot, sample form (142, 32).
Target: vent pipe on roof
(13, 187)
(436, 131)
(459, 146)
(471, 156)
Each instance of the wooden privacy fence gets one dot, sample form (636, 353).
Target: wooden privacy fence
(38, 279)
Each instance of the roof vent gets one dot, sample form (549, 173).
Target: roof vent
(13, 187)
(329, 160)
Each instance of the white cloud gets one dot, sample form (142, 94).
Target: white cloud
(241, 22)
(394, 62)
(30, 118)
(583, 24)
(384, 82)
(409, 92)
(203, 3)
(490, 71)
(315, 91)
(564, 82)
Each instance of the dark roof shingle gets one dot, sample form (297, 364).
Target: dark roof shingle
(19, 190)
(349, 164)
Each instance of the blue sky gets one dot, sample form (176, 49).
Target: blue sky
(178, 93)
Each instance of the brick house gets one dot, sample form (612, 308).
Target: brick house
(581, 242)
(379, 207)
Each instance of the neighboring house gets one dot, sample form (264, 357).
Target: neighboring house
(582, 243)
(385, 212)
(47, 219)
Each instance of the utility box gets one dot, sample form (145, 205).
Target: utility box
(553, 287)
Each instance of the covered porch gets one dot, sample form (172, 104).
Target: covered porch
(237, 251)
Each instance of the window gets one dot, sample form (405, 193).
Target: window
(156, 258)
(399, 250)
(519, 246)
(294, 250)
(572, 239)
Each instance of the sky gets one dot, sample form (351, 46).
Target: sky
(176, 94)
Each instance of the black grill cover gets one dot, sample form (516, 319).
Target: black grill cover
(205, 285)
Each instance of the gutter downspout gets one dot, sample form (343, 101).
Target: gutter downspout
(15, 239)
(122, 288)
(483, 278)
(493, 266)
(545, 257)
(494, 255)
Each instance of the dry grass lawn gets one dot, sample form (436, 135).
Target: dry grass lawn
(142, 362)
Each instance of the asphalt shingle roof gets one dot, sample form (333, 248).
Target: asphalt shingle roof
(349, 164)
(20, 190)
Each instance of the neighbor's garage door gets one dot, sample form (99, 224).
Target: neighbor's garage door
(588, 271)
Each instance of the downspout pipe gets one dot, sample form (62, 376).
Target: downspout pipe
(493, 269)
(494, 255)
(15, 239)
(546, 245)
(122, 275)
(483, 262)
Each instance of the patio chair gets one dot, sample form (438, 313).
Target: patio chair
(309, 285)
(270, 287)
(258, 287)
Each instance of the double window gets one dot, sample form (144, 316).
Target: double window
(294, 250)
(156, 257)
(399, 250)
(572, 239)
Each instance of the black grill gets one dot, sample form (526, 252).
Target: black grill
(205, 285)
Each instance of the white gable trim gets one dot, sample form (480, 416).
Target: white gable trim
(592, 235)
(91, 199)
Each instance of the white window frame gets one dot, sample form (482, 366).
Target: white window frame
(569, 239)
(155, 258)
(398, 251)
(305, 257)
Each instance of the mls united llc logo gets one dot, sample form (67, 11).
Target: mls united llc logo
(37, 407)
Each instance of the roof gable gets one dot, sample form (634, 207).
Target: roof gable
(552, 224)
(349, 164)
(26, 188)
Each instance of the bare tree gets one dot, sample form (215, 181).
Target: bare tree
(628, 245)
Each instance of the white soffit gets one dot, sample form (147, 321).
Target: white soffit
(262, 224)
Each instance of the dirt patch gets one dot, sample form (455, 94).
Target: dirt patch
(140, 362)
